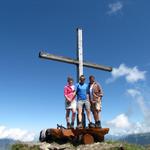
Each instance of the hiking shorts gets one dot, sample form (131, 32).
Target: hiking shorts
(96, 106)
(71, 105)
(84, 103)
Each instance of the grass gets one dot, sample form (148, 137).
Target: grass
(127, 146)
(24, 147)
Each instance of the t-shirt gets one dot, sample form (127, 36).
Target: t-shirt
(81, 90)
(91, 91)
(69, 91)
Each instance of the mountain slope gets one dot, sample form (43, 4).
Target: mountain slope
(5, 144)
(142, 138)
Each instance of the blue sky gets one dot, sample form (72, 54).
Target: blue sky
(115, 33)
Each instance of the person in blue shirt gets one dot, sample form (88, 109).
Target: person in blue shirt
(83, 101)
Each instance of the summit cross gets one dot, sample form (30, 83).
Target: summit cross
(78, 61)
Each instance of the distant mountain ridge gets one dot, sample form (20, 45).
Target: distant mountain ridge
(141, 138)
(5, 144)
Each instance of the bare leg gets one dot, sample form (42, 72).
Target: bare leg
(73, 115)
(67, 115)
(80, 114)
(97, 115)
(97, 118)
(94, 115)
(88, 112)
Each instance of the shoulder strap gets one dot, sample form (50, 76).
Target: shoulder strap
(77, 88)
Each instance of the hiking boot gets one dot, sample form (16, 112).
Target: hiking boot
(91, 125)
(68, 125)
(72, 125)
(98, 124)
(79, 125)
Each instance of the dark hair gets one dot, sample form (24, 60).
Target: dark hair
(91, 76)
(82, 76)
(69, 79)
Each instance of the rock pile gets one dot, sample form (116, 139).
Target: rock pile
(68, 146)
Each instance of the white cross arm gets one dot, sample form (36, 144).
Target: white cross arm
(73, 61)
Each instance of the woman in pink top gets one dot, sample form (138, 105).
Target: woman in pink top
(70, 102)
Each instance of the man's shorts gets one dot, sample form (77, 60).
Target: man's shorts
(71, 105)
(84, 103)
(96, 106)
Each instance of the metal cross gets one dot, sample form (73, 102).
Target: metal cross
(78, 61)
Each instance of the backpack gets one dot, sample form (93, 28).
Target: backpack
(42, 137)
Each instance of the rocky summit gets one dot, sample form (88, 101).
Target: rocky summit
(68, 146)
(108, 145)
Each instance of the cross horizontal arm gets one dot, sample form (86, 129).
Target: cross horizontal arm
(73, 61)
(57, 58)
(96, 66)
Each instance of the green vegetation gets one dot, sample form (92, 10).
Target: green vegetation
(24, 147)
(127, 146)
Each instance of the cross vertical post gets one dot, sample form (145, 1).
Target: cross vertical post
(80, 68)
(79, 53)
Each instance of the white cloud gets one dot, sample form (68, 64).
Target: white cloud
(16, 134)
(139, 99)
(121, 125)
(131, 75)
(115, 7)
(133, 92)
(121, 121)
